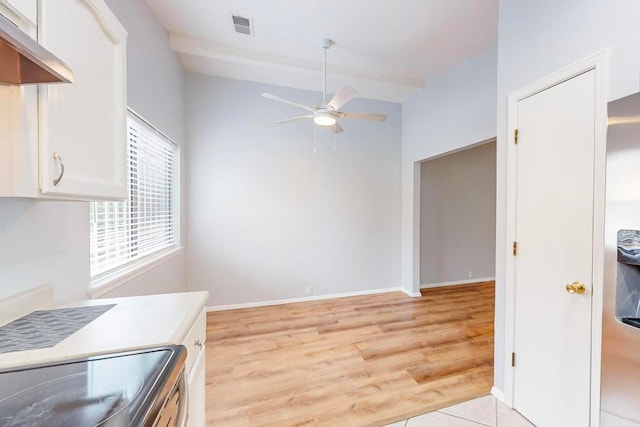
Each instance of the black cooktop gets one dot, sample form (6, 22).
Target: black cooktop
(106, 390)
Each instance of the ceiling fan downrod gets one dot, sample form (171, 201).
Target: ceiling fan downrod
(326, 44)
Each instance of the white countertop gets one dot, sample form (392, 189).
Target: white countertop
(134, 322)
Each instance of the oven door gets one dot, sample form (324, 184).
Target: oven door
(174, 412)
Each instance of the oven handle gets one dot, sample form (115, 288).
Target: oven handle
(183, 410)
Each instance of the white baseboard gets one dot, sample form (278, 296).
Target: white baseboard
(411, 293)
(498, 394)
(301, 299)
(458, 282)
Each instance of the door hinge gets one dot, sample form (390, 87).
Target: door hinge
(515, 248)
(515, 136)
(513, 359)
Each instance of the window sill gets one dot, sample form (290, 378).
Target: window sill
(110, 281)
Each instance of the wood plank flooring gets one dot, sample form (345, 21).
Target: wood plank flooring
(356, 361)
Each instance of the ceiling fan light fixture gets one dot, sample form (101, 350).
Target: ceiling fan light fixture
(326, 113)
(324, 119)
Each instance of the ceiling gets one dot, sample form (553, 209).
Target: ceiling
(384, 48)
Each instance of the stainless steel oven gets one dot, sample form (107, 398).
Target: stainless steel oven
(135, 388)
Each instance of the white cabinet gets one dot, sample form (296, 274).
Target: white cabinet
(197, 391)
(82, 125)
(23, 13)
(195, 369)
(19, 141)
(27, 8)
(68, 141)
(19, 116)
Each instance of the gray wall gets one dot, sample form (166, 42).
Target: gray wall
(536, 39)
(458, 216)
(267, 216)
(48, 242)
(455, 110)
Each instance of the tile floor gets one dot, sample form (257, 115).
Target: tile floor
(483, 411)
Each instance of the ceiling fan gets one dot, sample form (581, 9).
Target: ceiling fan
(326, 113)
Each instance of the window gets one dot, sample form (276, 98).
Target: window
(124, 233)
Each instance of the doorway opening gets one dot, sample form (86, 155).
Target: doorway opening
(457, 244)
(458, 217)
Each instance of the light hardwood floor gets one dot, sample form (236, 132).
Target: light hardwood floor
(357, 361)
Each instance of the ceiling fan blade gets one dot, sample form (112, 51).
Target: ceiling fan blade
(286, 101)
(365, 116)
(291, 119)
(343, 96)
(337, 128)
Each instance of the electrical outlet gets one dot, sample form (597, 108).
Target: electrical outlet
(470, 274)
(309, 290)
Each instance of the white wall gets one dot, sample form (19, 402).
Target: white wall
(458, 216)
(48, 242)
(43, 242)
(455, 110)
(267, 216)
(536, 39)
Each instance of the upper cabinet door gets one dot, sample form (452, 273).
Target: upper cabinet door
(23, 13)
(83, 124)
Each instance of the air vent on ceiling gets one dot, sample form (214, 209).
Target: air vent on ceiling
(242, 25)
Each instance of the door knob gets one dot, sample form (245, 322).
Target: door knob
(575, 288)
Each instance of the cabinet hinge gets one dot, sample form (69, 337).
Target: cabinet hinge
(513, 359)
(515, 248)
(515, 136)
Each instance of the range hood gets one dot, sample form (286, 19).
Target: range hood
(24, 61)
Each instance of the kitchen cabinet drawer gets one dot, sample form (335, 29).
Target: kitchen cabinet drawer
(195, 340)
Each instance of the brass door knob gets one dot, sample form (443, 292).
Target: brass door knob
(575, 288)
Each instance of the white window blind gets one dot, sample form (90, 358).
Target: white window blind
(124, 232)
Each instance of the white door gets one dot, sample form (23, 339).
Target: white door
(554, 234)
